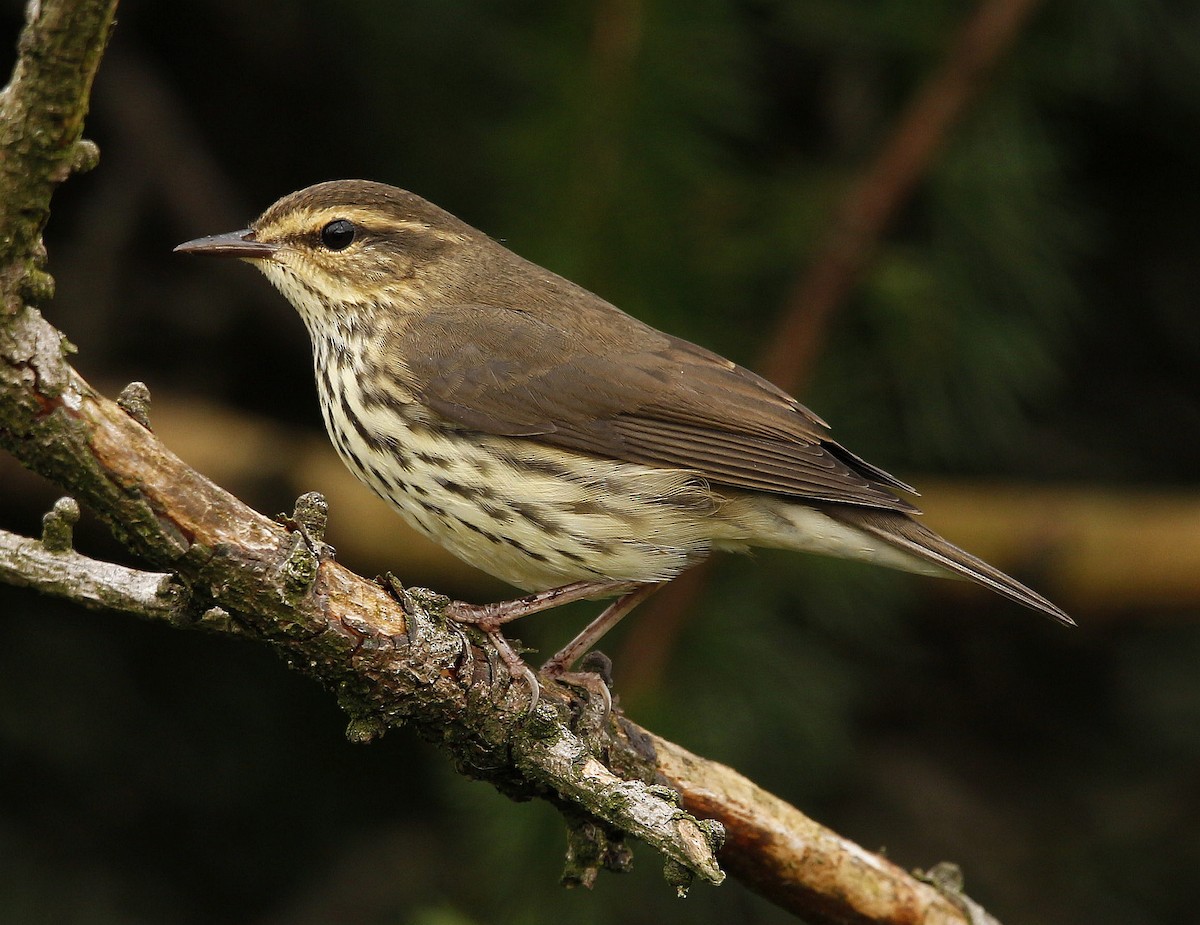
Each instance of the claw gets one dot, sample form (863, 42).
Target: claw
(517, 668)
(535, 689)
(591, 682)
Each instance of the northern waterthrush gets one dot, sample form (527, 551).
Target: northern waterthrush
(545, 436)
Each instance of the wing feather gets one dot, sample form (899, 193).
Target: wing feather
(598, 381)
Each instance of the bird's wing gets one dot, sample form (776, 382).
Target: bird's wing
(623, 390)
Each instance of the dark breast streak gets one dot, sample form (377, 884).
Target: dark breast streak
(533, 516)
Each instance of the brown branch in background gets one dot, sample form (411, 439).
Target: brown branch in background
(157, 134)
(158, 164)
(1078, 537)
(886, 186)
(865, 215)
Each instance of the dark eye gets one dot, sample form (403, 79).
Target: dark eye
(338, 234)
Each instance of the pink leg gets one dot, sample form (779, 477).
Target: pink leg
(490, 616)
(560, 663)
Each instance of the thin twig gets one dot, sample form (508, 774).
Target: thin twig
(94, 584)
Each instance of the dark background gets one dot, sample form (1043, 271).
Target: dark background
(1029, 320)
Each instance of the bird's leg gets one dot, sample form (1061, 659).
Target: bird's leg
(489, 617)
(560, 663)
(596, 684)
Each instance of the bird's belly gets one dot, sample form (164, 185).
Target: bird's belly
(531, 515)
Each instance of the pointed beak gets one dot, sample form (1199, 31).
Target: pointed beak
(234, 244)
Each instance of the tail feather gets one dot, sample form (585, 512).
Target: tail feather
(904, 533)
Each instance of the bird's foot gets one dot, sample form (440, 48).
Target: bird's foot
(489, 618)
(594, 677)
(518, 670)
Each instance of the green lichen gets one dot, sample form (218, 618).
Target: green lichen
(85, 155)
(299, 569)
(35, 285)
(134, 400)
(58, 525)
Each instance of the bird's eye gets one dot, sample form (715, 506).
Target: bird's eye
(338, 234)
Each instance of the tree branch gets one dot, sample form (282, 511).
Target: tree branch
(59, 571)
(388, 659)
(41, 126)
(886, 185)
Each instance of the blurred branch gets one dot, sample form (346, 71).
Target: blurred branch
(872, 203)
(886, 186)
(1073, 540)
(159, 164)
(154, 127)
(389, 662)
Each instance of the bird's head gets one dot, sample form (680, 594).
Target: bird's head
(348, 247)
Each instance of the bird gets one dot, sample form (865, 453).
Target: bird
(548, 438)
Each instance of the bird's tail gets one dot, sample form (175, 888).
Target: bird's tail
(905, 534)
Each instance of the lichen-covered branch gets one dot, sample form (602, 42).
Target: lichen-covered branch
(41, 131)
(278, 585)
(51, 566)
(387, 654)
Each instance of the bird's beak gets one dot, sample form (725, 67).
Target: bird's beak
(234, 244)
